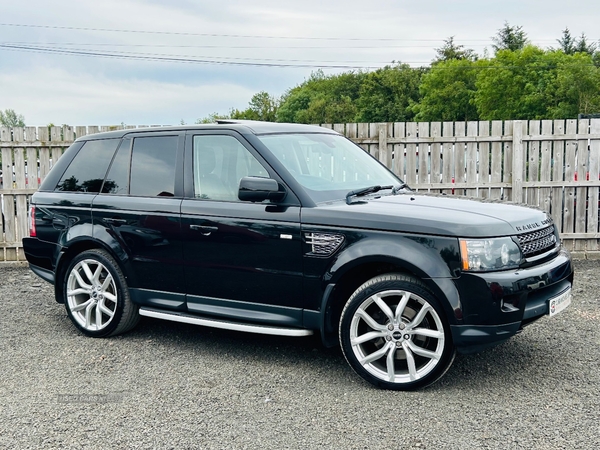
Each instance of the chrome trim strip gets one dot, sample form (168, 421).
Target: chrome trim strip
(214, 323)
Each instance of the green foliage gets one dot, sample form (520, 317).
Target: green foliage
(567, 43)
(212, 118)
(509, 38)
(262, 106)
(9, 118)
(388, 94)
(517, 84)
(450, 51)
(521, 81)
(448, 92)
(577, 87)
(582, 45)
(535, 84)
(322, 99)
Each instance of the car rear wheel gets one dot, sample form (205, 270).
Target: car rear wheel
(96, 295)
(394, 333)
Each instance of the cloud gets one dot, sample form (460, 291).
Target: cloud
(85, 99)
(85, 90)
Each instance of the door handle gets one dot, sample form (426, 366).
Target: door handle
(204, 229)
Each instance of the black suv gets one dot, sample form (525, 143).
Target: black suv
(288, 230)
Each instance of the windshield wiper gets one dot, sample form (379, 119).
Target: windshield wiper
(399, 187)
(366, 191)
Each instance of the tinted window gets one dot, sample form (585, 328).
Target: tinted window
(220, 162)
(86, 171)
(117, 180)
(153, 166)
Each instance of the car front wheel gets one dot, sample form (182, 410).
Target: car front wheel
(395, 335)
(96, 295)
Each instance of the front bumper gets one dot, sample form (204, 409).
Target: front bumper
(496, 305)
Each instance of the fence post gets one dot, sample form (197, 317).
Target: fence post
(517, 161)
(385, 156)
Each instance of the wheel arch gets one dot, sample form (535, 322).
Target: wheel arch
(356, 266)
(75, 248)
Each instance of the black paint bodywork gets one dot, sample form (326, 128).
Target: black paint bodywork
(250, 261)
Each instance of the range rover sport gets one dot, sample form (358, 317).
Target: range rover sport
(289, 230)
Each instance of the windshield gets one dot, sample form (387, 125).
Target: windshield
(328, 166)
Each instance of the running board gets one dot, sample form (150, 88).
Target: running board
(222, 324)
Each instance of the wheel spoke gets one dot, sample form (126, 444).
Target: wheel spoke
(401, 306)
(410, 361)
(422, 352)
(96, 278)
(110, 296)
(88, 271)
(88, 314)
(383, 306)
(78, 291)
(107, 282)
(98, 317)
(417, 320)
(80, 281)
(376, 355)
(428, 333)
(367, 337)
(391, 369)
(82, 306)
(370, 321)
(102, 307)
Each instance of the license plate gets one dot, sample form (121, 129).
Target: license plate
(557, 304)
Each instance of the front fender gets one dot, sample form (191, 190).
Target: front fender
(434, 260)
(423, 256)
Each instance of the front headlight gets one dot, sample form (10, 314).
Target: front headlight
(481, 255)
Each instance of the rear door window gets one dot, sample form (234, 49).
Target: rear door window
(153, 166)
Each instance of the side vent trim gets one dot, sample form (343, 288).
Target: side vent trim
(323, 244)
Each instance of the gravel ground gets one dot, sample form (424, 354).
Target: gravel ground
(167, 385)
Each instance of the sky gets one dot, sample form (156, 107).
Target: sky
(151, 62)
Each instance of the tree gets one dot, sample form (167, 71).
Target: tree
(262, 106)
(582, 45)
(450, 51)
(567, 42)
(9, 118)
(388, 94)
(212, 118)
(448, 92)
(322, 99)
(518, 84)
(509, 38)
(577, 87)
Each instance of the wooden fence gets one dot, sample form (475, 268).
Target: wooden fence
(552, 165)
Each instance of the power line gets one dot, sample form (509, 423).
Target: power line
(157, 58)
(249, 61)
(244, 36)
(44, 48)
(91, 44)
(180, 33)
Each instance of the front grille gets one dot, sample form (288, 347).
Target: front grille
(323, 244)
(537, 242)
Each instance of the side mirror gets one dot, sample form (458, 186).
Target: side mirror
(257, 189)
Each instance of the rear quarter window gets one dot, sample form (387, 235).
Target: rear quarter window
(87, 170)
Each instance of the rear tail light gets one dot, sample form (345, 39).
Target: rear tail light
(32, 231)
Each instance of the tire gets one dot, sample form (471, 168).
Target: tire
(96, 296)
(395, 335)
